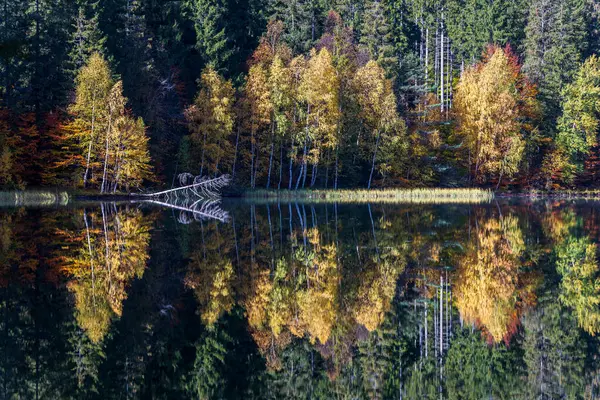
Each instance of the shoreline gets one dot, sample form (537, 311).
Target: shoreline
(59, 197)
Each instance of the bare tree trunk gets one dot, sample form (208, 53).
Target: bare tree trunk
(89, 153)
(337, 153)
(304, 154)
(442, 69)
(271, 155)
(373, 162)
(280, 164)
(499, 180)
(426, 56)
(237, 141)
(313, 177)
(291, 176)
(106, 153)
(299, 176)
(252, 151)
(327, 171)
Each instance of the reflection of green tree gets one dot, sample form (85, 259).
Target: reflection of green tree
(475, 370)
(206, 378)
(554, 354)
(577, 263)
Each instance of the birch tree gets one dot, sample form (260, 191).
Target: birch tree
(378, 105)
(493, 103)
(93, 85)
(210, 120)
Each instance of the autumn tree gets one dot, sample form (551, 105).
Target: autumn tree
(494, 105)
(378, 105)
(319, 91)
(210, 120)
(93, 85)
(6, 156)
(104, 132)
(257, 99)
(281, 87)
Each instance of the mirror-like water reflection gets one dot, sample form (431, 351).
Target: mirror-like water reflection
(301, 301)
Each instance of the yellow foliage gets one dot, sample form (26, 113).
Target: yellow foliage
(211, 118)
(103, 264)
(490, 104)
(488, 284)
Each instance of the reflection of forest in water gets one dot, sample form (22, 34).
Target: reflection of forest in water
(301, 301)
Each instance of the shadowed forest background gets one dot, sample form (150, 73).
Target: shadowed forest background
(118, 94)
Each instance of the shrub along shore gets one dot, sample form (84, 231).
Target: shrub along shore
(33, 198)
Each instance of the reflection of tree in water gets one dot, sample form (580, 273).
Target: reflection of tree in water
(491, 289)
(107, 253)
(41, 354)
(300, 292)
(355, 305)
(577, 264)
(210, 273)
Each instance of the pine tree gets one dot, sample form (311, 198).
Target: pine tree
(87, 38)
(301, 20)
(578, 125)
(12, 30)
(376, 36)
(213, 36)
(555, 42)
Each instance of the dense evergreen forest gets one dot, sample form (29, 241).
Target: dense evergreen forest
(115, 94)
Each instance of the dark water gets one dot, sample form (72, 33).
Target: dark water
(118, 301)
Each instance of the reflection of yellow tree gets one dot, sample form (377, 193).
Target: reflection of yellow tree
(210, 275)
(375, 294)
(211, 278)
(299, 297)
(105, 257)
(490, 289)
(317, 300)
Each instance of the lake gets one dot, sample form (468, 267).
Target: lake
(297, 300)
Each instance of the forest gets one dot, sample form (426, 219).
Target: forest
(121, 95)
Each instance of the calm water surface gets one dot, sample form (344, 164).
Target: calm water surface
(273, 301)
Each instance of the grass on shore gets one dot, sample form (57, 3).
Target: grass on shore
(421, 196)
(33, 198)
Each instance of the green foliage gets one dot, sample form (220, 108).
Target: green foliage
(553, 355)
(555, 43)
(475, 370)
(578, 124)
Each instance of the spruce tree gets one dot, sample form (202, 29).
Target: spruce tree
(376, 35)
(554, 45)
(87, 37)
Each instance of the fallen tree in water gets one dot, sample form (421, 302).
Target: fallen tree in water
(194, 186)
